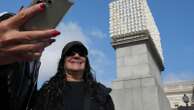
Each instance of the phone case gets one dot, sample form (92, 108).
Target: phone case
(52, 15)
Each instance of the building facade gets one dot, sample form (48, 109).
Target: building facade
(176, 90)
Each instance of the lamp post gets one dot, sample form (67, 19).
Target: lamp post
(186, 99)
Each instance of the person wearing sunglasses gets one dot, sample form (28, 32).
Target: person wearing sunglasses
(73, 87)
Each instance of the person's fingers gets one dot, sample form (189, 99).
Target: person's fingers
(26, 37)
(20, 18)
(38, 35)
(24, 48)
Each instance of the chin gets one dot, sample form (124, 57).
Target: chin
(77, 70)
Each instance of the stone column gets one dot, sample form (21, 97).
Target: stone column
(139, 58)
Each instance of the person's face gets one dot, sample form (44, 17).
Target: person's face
(75, 61)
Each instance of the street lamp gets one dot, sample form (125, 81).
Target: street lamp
(186, 99)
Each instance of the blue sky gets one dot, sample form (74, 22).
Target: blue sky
(87, 21)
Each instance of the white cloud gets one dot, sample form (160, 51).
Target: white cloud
(98, 56)
(97, 34)
(103, 65)
(72, 31)
(99, 62)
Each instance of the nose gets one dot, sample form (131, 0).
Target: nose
(76, 55)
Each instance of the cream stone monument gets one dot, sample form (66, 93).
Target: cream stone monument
(139, 57)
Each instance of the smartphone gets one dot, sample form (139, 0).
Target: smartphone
(50, 18)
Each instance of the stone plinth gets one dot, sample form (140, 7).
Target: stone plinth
(138, 85)
(139, 94)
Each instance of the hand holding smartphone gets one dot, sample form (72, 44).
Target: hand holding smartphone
(53, 14)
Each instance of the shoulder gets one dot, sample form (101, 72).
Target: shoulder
(49, 95)
(102, 93)
(102, 89)
(54, 84)
(103, 96)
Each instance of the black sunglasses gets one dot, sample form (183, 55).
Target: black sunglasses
(73, 51)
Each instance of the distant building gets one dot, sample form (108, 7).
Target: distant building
(176, 90)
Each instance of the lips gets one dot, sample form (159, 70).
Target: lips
(78, 61)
